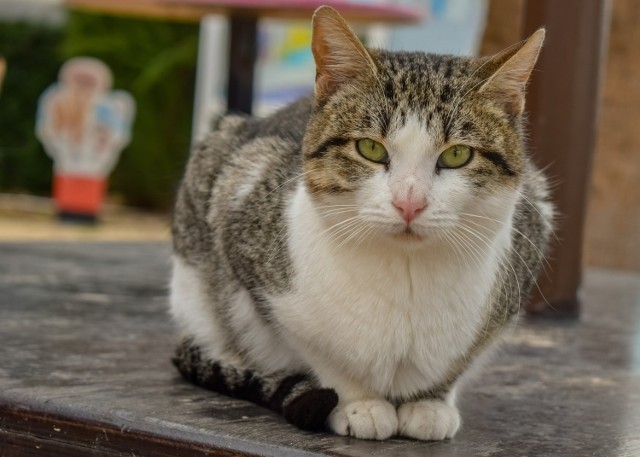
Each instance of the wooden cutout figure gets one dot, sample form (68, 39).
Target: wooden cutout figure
(83, 126)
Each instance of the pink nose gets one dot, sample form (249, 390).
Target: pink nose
(410, 207)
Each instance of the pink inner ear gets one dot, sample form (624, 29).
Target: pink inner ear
(512, 98)
(338, 53)
(508, 85)
(325, 85)
(509, 82)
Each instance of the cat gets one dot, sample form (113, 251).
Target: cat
(346, 260)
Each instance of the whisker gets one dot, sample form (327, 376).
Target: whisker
(541, 255)
(503, 283)
(533, 277)
(535, 208)
(288, 181)
(477, 252)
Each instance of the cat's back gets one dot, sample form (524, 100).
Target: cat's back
(237, 170)
(254, 157)
(230, 139)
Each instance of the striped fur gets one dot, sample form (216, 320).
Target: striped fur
(295, 396)
(298, 285)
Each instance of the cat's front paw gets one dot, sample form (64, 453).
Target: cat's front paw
(367, 419)
(428, 420)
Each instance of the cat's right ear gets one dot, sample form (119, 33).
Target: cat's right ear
(339, 54)
(511, 70)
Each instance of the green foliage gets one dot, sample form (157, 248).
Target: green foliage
(154, 61)
(30, 52)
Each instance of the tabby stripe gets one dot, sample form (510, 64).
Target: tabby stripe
(446, 94)
(385, 123)
(389, 92)
(284, 389)
(333, 188)
(498, 160)
(297, 397)
(467, 128)
(352, 166)
(330, 143)
(449, 71)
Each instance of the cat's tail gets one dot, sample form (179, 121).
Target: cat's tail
(296, 397)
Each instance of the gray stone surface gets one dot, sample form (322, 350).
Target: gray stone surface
(85, 342)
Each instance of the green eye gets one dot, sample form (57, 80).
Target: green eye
(372, 150)
(455, 156)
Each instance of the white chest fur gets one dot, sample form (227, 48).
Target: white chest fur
(392, 319)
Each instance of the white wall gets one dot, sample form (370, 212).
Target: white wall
(46, 11)
(454, 27)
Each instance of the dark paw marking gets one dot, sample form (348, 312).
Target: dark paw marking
(310, 410)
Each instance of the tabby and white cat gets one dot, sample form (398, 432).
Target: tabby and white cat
(345, 260)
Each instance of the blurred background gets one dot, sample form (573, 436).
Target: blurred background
(176, 70)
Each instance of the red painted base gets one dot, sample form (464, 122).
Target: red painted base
(75, 194)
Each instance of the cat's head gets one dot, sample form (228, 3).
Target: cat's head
(409, 146)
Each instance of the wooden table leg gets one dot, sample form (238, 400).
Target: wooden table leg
(242, 58)
(563, 104)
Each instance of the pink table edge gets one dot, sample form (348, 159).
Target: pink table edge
(394, 12)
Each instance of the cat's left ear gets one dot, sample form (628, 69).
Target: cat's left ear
(514, 66)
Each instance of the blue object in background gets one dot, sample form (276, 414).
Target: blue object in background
(453, 27)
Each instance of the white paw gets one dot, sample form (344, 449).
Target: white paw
(368, 419)
(428, 420)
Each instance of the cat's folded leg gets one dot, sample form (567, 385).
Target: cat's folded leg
(296, 396)
(431, 419)
(360, 413)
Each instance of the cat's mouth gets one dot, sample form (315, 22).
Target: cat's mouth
(407, 235)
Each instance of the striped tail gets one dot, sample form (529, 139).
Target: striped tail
(296, 397)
